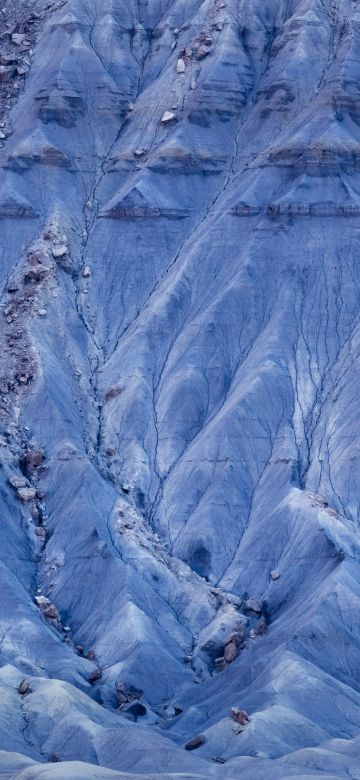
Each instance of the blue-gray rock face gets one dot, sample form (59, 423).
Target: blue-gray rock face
(179, 389)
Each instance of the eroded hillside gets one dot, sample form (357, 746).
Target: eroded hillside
(179, 244)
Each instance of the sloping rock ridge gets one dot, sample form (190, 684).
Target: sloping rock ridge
(179, 376)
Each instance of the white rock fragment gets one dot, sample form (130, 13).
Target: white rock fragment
(26, 493)
(18, 38)
(180, 66)
(167, 116)
(59, 250)
(274, 575)
(86, 272)
(18, 481)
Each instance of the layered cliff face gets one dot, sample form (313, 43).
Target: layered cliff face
(179, 536)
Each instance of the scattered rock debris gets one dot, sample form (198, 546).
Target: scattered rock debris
(20, 27)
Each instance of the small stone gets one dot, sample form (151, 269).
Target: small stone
(2, 136)
(139, 152)
(131, 107)
(40, 531)
(17, 481)
(236, 636)
(230, 652)
(252, 605)
(32, 460)
(42, 601)
(260, 629)
(18, 38)
(180, 66)
(79, 649)
(195, 742)
(26, 493)
(274, 575)
(51, 612)
(168, 116)
(95, 675)
(202, 51)
(42, 312)
(24, 687)
(193, 84)
(113, 392)
(60, 250)
(240, 716)
(86, 272)
(91, 655)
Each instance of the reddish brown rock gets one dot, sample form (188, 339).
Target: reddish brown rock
(24, 687)
(95, 676)
(113, 392)
(230, 652)
(51, 612)
(239, 716)
(195, 742)
(260, 629)
(31, 461)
